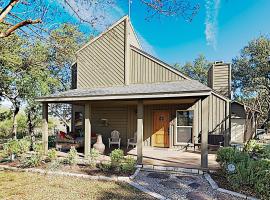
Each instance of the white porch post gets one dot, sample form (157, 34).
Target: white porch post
(87, 129)
(45, 130)
(204, 135)
(139, 132)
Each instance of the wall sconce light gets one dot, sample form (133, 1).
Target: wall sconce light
(105, 122)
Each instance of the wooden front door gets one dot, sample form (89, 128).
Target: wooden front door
(161, 123)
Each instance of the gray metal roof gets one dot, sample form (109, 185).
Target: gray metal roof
(182, 86)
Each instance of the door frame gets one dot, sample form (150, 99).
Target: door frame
(152, 129)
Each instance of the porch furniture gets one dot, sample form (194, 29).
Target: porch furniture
(132, 141)
(214, 141)
(115, 138)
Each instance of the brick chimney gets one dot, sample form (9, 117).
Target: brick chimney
(219, 78)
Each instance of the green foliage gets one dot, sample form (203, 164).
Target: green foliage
(52, 154)
(128, 166)
(249, 172)
(92, 159)
(71, 158)
(33, 161)
(228, 155)
(197, 70)
(38, 147)
(253, 147)
(116, 156)
(250, 75)
(11, 147)
(262, 185)
(51, 141)
(105, 166)
(266, 152)
(24, 145)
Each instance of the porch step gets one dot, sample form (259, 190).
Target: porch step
(170, 169)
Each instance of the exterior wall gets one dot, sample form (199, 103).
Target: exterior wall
(132, 37)
(146, 70)
(238, 130)
(219, 78)
(102, 63)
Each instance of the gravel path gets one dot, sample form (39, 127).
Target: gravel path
(180, 186)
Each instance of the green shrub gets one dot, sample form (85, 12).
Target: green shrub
(128, 165)
(52, 154)
(33, 161)
(71, 158)
(105, 166)
(54, 165)
(116, 156)
(92, 159)
(24, 145)
(266, 152)
(38, 147)
(262, 185)
(51, 141)
(228, 155)
(253, 147)
(12, 147)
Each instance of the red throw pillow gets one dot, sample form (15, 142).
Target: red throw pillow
(62, 134)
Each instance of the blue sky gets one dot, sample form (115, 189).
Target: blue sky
(231, 24)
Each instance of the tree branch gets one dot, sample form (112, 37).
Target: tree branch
(7, 9)
(17, 26)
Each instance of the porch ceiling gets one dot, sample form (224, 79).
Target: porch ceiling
(183, 88)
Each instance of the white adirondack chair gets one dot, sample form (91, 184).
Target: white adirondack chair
(132, 141)
(115, 138)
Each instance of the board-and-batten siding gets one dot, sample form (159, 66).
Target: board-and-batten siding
(146, 70)
(219, 78)
(101, 63)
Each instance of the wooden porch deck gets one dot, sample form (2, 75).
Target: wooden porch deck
(174, 158)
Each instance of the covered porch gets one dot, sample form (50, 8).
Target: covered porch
(131, 113)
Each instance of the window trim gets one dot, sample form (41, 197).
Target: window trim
(175, 128)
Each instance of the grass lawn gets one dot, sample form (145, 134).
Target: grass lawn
(21, 185)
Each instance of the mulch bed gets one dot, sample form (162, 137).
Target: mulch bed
(220, 178)
(79, 169)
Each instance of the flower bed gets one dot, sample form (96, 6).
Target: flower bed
(246, 171)
(16, 154)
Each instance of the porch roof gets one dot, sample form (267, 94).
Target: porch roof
(182, 88)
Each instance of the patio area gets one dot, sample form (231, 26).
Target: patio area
(174, 158)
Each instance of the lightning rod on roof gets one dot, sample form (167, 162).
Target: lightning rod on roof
(129, 8)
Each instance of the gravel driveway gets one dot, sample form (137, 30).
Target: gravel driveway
(180, 186)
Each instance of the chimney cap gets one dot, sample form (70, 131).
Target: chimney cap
(218, 62)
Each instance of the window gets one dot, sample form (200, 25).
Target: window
(184, 126)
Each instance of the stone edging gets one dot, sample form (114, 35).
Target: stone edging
(171, 169)
(214, 185)
(100, 178)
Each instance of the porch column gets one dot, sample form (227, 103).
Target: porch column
(139, 131)
(87, 129)
(45, 130)
(204, 136)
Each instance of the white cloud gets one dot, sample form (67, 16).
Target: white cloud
(146, 46)
(211, 22)
(106, 14)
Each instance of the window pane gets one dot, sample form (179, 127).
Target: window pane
(184, 118)
(184, 135)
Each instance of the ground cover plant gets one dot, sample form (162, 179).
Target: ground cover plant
(252, 168)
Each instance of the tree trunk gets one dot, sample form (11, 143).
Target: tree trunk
(15, 124)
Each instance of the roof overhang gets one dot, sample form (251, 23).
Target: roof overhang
(122, 97)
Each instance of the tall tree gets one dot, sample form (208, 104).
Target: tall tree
(197, 69)
(251, 76)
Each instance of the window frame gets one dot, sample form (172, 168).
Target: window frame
(176, 126)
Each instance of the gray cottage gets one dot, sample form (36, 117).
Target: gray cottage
(118, 86)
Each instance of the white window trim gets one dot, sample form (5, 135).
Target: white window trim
(175, 129)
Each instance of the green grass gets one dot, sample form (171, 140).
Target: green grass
(22, 185)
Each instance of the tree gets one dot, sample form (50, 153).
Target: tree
(197, 69)
(251, 76)
(44, 12)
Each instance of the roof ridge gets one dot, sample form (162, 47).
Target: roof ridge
(103, 32)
